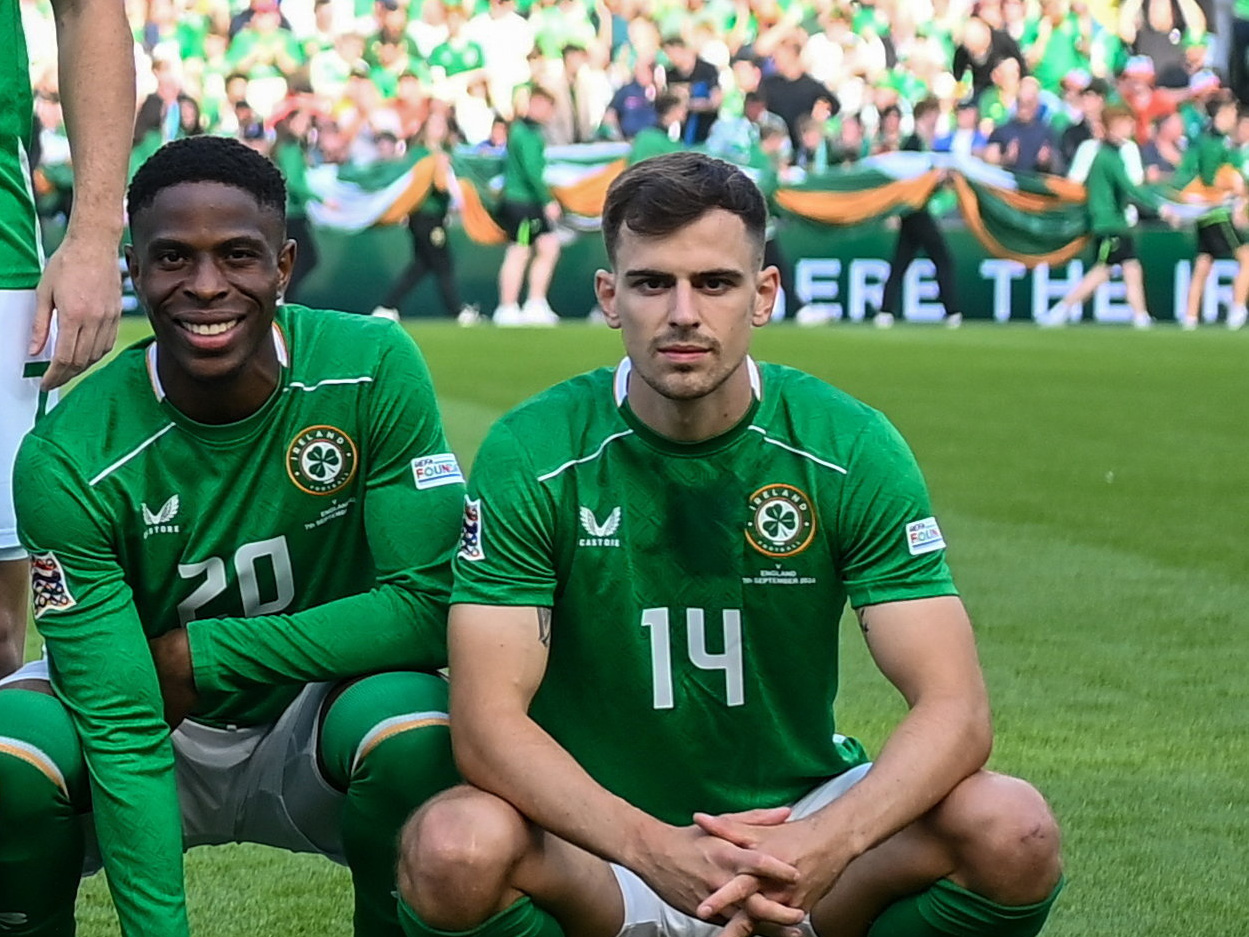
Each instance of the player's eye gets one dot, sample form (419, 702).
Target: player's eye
(168, 257)
(651, 284)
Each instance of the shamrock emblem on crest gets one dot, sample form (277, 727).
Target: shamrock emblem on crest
(779, 521)
(323, 461)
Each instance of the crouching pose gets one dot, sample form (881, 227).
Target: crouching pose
(242, 527)
(643, 640)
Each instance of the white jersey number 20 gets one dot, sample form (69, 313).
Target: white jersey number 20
(213, 570)
(729, 660)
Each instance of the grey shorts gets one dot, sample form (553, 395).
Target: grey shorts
(257, 784)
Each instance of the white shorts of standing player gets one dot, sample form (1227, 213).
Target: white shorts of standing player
(19, 401)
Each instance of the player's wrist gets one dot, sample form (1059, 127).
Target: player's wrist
(645, 844)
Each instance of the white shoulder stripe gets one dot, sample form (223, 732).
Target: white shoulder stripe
(130, 455)
(806, 455)
(299, 385)
(589, 458)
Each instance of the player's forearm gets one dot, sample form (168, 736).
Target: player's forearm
(938, 744)
(96, 61)
(392, 627)
(513, 757)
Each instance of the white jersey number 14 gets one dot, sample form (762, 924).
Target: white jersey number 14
(729, 660)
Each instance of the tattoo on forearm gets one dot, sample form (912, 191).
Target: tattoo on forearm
(861, 614)
(544, 626)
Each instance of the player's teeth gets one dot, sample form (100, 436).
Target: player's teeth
(209, 328)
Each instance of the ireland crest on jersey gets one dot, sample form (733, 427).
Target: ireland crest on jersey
(782, 521)
(321, 460)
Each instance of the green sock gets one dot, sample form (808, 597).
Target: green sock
(385, 741)
(521, 919)
(948, 910)
(42, 777)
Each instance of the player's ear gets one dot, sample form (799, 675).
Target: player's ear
(132, 262)
(286, 263)
(767, 286)
(605, 293)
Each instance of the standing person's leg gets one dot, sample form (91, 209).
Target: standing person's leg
(905, 250)
(410, 276)
(1134, 280)
(306, 255)
(20, 403)
(933, 243)
(546, 255)
(434, 249)
(1196, 288)
(1239, 313)
(43, 792)
(1064, 310)
(518, 225)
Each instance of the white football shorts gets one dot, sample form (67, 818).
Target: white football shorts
(19, 402)
(257, 784)
(648, 915)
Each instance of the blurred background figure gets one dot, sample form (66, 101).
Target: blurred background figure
(431, 249)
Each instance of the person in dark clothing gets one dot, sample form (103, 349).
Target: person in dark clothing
(919, 232)
(289, 154)
(791, 93)
(982, 48)
(1023, 143)
(632, 109)
(699, 82)
(428, 224)
(1092, 103)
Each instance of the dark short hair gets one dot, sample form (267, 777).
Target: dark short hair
(663, 194)
(926, 106)
(208, 159)
(666, 103)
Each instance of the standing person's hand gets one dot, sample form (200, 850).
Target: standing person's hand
(552, 211)
(82, 284)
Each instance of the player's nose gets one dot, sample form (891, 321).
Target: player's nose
(683, 308)
(205, 280)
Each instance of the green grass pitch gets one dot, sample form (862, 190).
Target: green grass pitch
(1092, 485)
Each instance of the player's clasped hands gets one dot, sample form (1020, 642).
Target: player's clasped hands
(764, 904)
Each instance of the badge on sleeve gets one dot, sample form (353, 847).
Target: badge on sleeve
(48, 587)
(924, 536)
(471, 546)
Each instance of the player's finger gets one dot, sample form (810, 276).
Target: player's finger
(754, 862)
(739, 925)
(731, 894)
(726, 829)
(43, 319)
(763, 908)
(62, 366)
(105, 338)
(761, 816)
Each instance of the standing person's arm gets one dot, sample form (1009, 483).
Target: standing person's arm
(82, 281)
(102, 672)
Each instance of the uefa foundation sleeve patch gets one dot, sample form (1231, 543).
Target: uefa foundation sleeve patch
(48, 587)
(924, 536)
(433, 470)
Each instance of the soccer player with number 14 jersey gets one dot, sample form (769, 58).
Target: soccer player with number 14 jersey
(643, 640)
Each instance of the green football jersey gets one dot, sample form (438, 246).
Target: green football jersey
(696, 588)
(311, 541)
(19, 232)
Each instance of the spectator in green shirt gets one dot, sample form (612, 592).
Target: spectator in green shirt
(665, 135)
(528, 212)
(1110, 190)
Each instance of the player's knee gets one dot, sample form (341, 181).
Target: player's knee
(1006, 839)
(459, 849)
